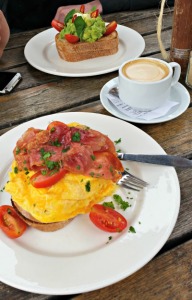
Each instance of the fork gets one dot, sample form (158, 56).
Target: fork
(131, 182)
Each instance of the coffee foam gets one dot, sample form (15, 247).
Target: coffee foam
(145, 70)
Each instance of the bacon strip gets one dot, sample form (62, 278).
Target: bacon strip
(78, 150)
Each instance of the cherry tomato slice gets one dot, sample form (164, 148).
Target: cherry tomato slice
(107, 219)
(39, 180)
(94, 13)
(82, 8)
(10, 222)
(57, 25)
(110, 28)
(72, 38)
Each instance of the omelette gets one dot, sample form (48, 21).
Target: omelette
(72, 195)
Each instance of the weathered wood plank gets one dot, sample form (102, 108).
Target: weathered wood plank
(165, 277)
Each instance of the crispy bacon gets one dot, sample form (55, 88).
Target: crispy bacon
(78, 150)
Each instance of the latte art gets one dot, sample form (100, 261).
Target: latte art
(145, 70)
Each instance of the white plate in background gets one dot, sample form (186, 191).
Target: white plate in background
(41, 53)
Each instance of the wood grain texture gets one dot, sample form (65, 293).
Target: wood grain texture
(168, 275)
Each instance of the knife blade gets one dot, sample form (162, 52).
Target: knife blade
(162, 159)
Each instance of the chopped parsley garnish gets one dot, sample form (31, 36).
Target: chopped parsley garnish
(49, 163)
(2, 189)
(52, 164)
(123, 204)
(111, 169)
(132, 229)
(56, 143)
(109, 239)
(16, 170)
(44, 154)
(93, 157)
(43, 172)
(117, 141)
(66, 149)
(88, 186)
(17, 151)
(52, 129)
(109, 204)
(118, 151)
(76, 137)
(78, 167)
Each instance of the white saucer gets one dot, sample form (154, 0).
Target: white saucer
(178, 94)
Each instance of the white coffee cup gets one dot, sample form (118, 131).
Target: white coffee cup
(145, 83)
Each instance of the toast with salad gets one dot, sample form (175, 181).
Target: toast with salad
(85, 35)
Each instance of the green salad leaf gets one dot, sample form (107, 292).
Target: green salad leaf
(79, 25)
(69, 15)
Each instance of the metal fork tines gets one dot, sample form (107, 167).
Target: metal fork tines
(132, 182)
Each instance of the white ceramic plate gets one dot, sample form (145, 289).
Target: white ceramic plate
(80, 257)
(42, 54)
(178, 94)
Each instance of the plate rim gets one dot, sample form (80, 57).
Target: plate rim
(94, 73)
(162, 119)
(65, 291)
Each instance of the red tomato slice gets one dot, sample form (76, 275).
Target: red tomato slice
(10, 222)
(82, 8)
(38, 180)
(107, 219)
(72, 38)
(94, 13)
(110, 28)
(57, 25)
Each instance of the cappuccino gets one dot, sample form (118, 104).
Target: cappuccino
(145, 70)
(145, 83)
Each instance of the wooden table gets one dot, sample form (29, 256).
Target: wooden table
(169, 274)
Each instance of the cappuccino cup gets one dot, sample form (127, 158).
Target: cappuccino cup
(145, 83)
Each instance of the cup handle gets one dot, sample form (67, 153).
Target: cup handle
(176, 72)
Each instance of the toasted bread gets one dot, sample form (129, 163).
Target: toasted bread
(106, 45)
(29, 220)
